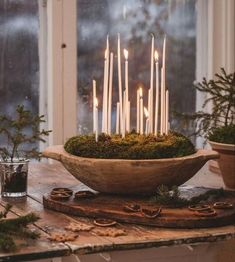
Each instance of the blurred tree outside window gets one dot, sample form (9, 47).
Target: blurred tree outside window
(19, 61)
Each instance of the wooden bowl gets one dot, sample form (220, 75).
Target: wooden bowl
(121, 176)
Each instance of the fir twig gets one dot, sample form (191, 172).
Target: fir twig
(17, 134)
(171, 196)
(10, 228)
(221, 95)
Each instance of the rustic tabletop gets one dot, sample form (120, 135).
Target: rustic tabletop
(44, 177)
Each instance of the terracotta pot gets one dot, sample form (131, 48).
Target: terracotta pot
(226, 162)
(123, 176)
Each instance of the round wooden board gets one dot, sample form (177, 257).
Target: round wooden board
(111, 206)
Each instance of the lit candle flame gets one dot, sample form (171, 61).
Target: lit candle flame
(156, 56)
(105, 54)
(146, 112)
(125, 51)
(96, 102)
(141, 92)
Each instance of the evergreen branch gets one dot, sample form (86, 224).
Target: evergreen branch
(16, 132)
(221, 94)
(15, 227)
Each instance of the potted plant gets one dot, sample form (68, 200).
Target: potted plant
(218, 126)
(22, 135)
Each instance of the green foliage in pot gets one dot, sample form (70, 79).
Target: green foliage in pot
(21, 131)
(219, 124)
(224, 134)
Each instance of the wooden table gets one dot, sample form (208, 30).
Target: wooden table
(43, 177)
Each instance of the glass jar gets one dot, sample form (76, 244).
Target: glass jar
(13, 176)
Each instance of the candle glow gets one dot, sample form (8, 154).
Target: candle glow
(146, 113)
(156, 56)
(147, 121)
(125, 52)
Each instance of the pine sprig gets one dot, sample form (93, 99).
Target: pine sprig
(15, 227)
(221, 96)
(17, 133)
(171, 196)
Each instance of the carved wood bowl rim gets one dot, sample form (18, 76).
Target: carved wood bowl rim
(129, 176)
(55, 152)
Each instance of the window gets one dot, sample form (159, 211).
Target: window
(19, 62)
(135, 20)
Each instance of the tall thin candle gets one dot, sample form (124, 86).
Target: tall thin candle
(105, 93)
(162, 103)
(126, 88)
(107, 86)
(151, 86)
(120, 81)
(164, 83)
(128, 115)
(167, 111)
(157, 93)
(147, 121)
(110, 94)
(117, 118)
(124, 115)
(138, 111)
(96, 119)
(141, 112)
(94, 96)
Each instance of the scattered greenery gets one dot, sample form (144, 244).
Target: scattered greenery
(221, 95)
(22, 130)
(133, 146)
(15, 227)
(171, 196)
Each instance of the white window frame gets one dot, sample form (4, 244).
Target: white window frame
(215, 46)
(58, 66)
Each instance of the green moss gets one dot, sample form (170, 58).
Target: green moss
(133, 146)
(225, 134)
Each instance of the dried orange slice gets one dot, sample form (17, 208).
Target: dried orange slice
(151, 213)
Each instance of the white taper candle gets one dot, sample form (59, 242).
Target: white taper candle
(157, 93)
(151, 87)
(167, 112)
(120, 81)
(96, 119)
(138, 111)
(118, 118)
(162, 104)
(147, 121)
(110, 94)
(126, 88)
(124, 115)
(105, 93)
(141, 112)
(164, 83)
(149, 102)
(94, 96)
(128, 115)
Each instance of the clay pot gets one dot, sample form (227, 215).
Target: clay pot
(121, 176)
(226, 162)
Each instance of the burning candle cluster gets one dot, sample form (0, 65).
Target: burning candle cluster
(156, 113)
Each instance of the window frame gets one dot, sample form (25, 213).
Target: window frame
(58, 68)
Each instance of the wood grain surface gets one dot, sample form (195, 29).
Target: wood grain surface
(43, 177)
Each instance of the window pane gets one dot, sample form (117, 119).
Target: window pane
(135, 20)
(19, 62)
